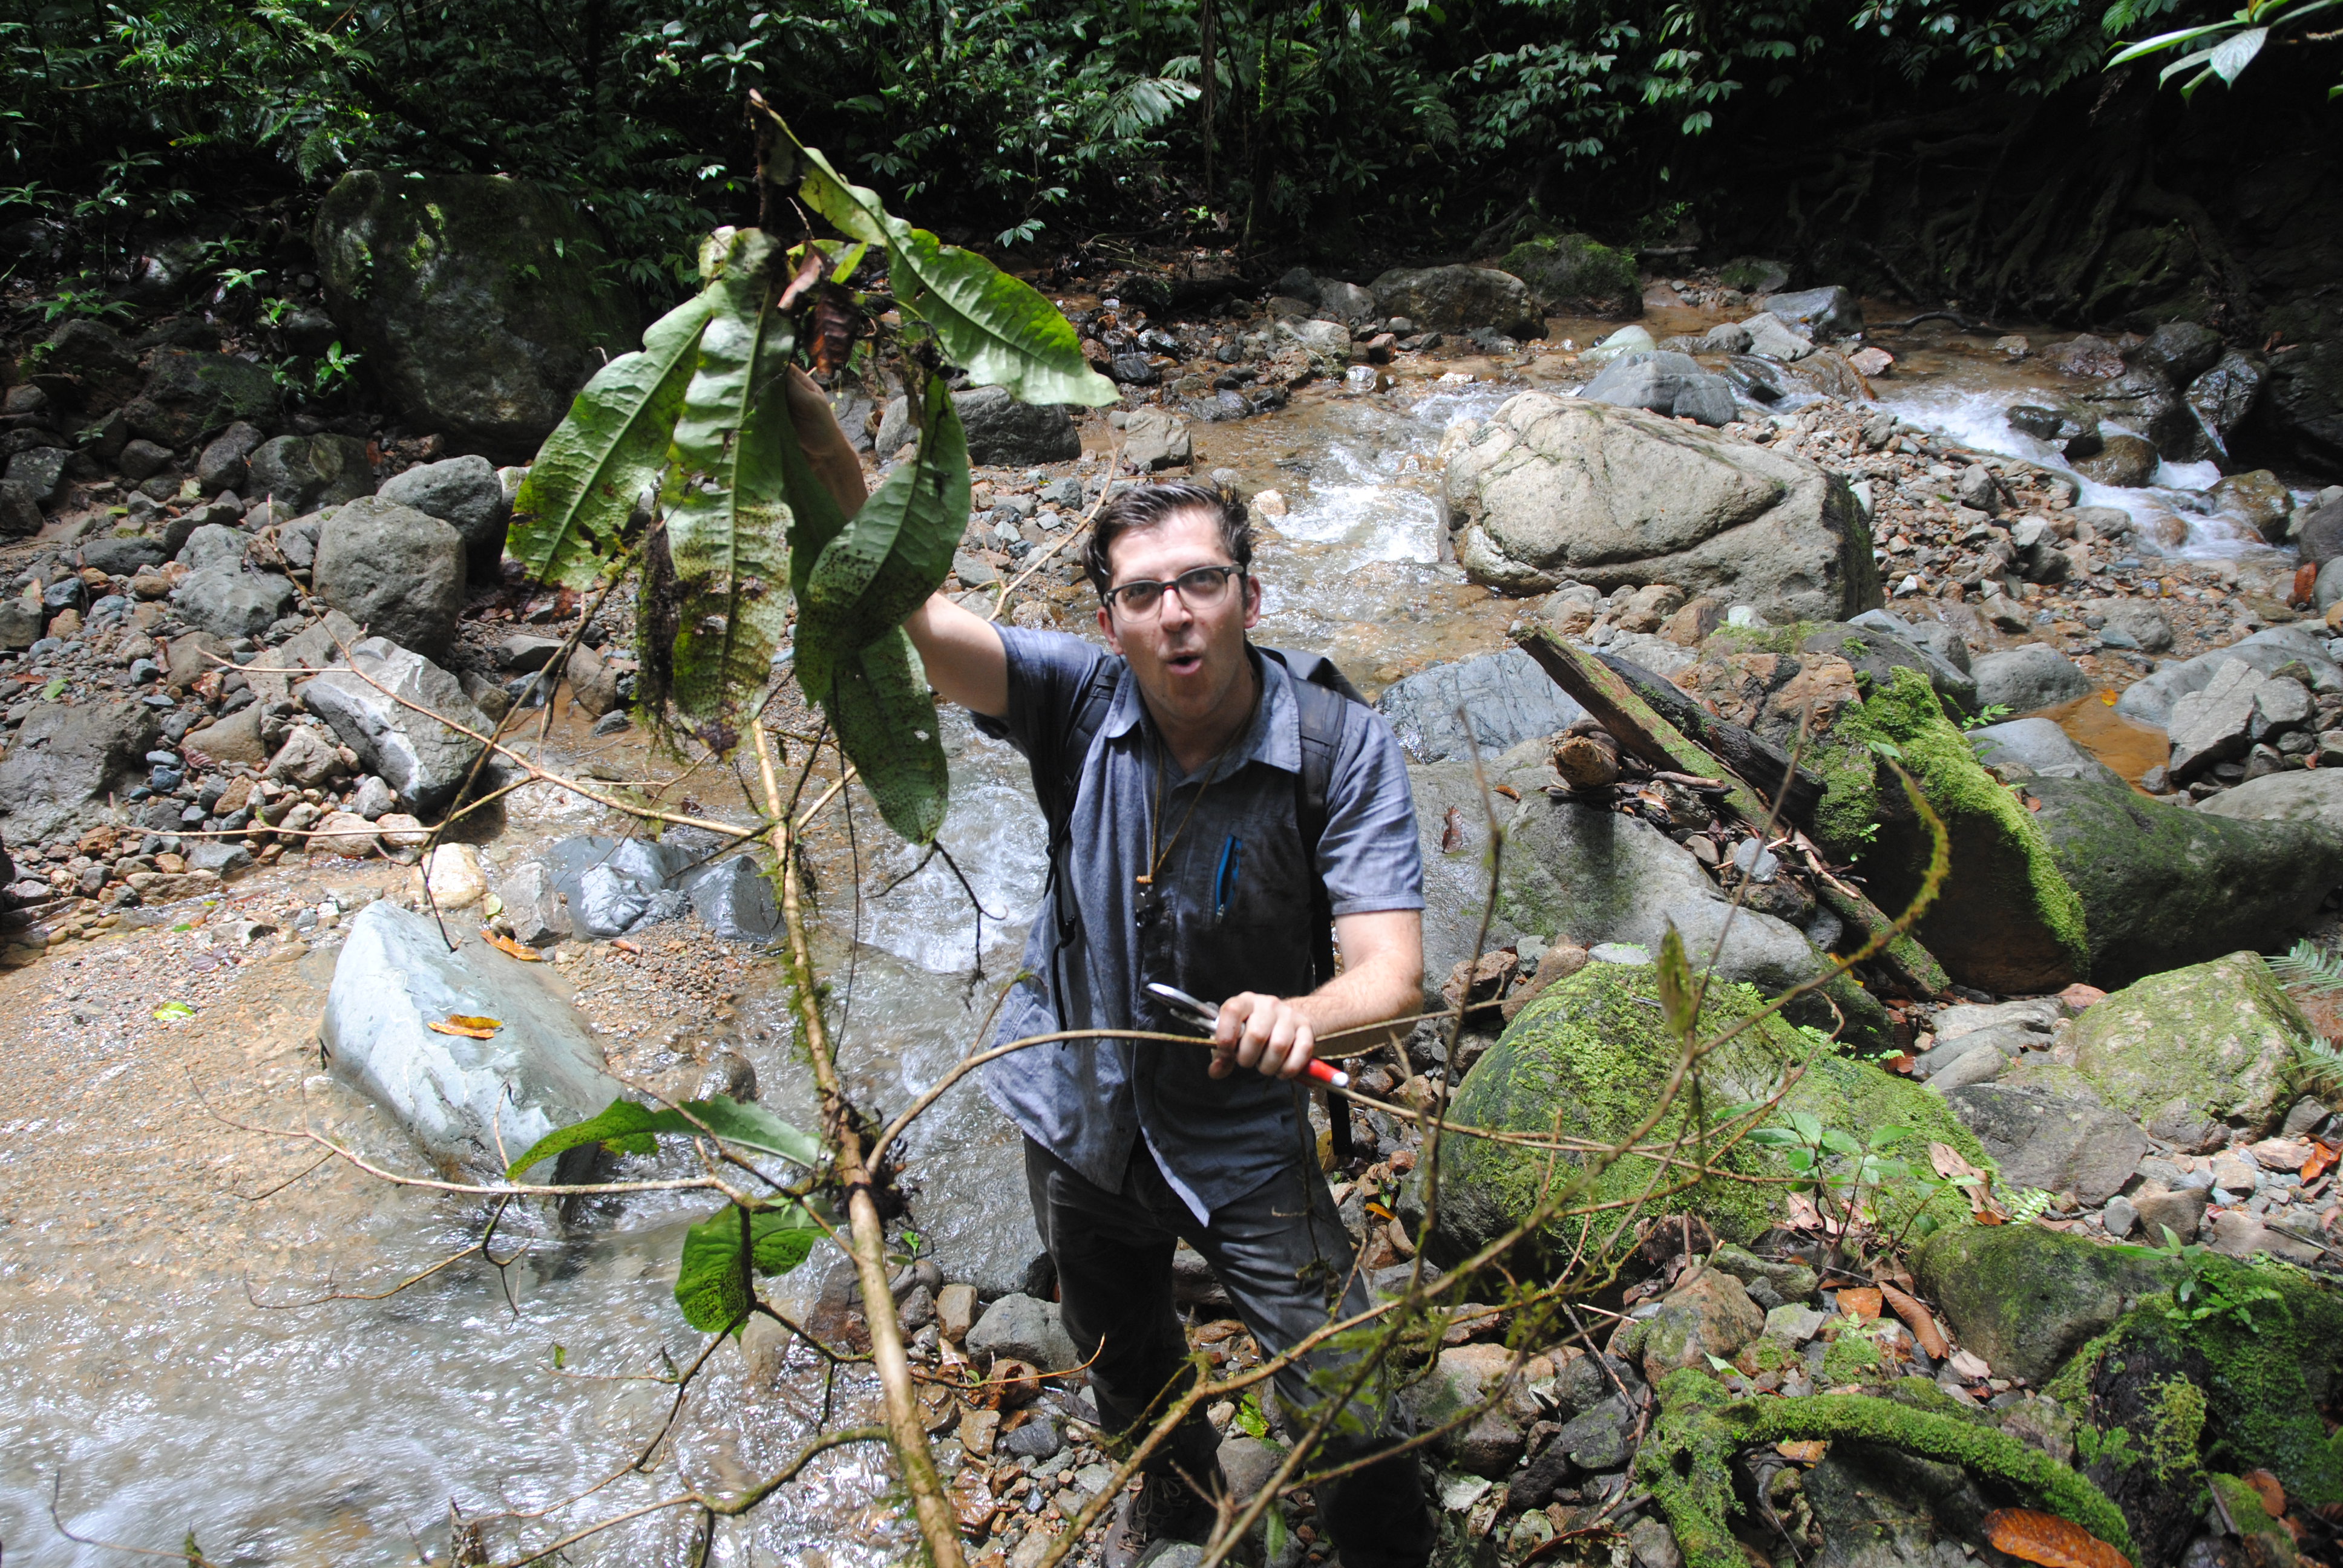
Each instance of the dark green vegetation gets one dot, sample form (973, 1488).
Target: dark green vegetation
(1976, 153)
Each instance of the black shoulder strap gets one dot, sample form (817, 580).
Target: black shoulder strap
(1323, 694)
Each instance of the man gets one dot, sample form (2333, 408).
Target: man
(1174, 767)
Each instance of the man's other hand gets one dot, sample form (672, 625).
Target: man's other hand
(1267, 1033)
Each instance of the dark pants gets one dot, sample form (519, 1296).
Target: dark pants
(1281, 1252)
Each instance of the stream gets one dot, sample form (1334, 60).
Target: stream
(341, 1432)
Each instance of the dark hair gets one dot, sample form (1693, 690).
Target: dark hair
(1145, 505)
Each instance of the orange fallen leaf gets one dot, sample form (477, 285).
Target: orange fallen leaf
(2032, 1536)
(2321, 1160)
(624, 946)
(1950, 1164)
(1507, 790)
(1807, 1452)
(2267, 1488)
(1917, 1318)
(1902, 1062)
(1859, 1302)
(503, 944)
(467, 1026)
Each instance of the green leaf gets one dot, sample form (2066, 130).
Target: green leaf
(712, 1286)
(1840, 1142)
(899, 548)
(2237, 52)
(998, 330)
(727, 516)
(1678, 1003)
(1249, 1419)
(54, 689)
(1273, 1533)
(627, 1128)
(570, 516)
(885, 722)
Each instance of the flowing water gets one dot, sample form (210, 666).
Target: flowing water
(155, 1403)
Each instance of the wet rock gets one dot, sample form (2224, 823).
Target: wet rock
(1663, 383)
(2040, 748)
(1002, 431)
(1577, 275)
(230, 602)
(1458, 299)
(223, 464)
(2056, 1142)
(1504, 698)
(2192, 1051)
(461, 1097)
(304, 473)
(62, 763)
(2141, 400)
(2257, 502)
(1771, 337)
(425, 761)
(614, 885)
(190, 394)
(2225, 397)
(2181, 350)
(956, 1309)
(1709, 1314)
(1828, 312)
(396, 571)
(462, 492)
(477, 301)
(2123, 460)
(1555, 489)
(734, 900)
(2151, 700)
(2308, 795)
(1026, 1330)
(2025, 1298)
(2214, 723)
(1153, 439)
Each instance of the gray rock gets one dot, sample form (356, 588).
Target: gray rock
(525, 650)
(2182, 351)
(1458, 299)
(229, 602)
(189, 394)
(533, 905)
(2215, 723)
(1773, 339)
(2146, 625)
(461, 1098)
(422, 759)
(213, 547)
(1026, 1330)
(1247, 1463)
(1663, 383)
(2025, 1298)
(463, 492)
(733, 899)
(1504, 698)
(373, 797)
(1557, 489)
(122, 554)
(1153, 439)
(613, 885)
(2040, 748)
(2123, 460)
(2143, 399)
(81, 344)
(303, 473)
(2304, 795)
(1876, 652)
(234, 738)
(227, 861)
(479, 302)
(1323, 339)
(1347, 302)
(2180, 1211)
(1002, 431)
(1828, 312)
(1725, 337)
(2151, 700)
(396, 571)
(223, 464)
(2060, 1143)
(143, 459)
(20, 514)
(1971, 1063)
(2225, 395)
(2028, 679)
(1878, 1507)
(306, 760)
(1597, 1439)
(41, 470)
(20, 625)
(64, 761)
(2009, 1039)
(1036, 1439)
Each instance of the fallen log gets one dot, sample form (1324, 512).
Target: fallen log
(1768, 768)
(1641, 731)
(1587, 761)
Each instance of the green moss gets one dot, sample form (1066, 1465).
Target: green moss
(1589, 1058)
(2244, 1505)
(1728, 640)
(1684, 1460)
(1853, 1357)
(2178, 1429)
(1571, 269)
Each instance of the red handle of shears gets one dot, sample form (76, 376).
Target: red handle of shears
(1208, 1013)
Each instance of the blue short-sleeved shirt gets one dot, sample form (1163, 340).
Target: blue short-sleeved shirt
(1233, 859)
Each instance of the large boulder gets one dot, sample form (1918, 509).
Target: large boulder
(1664, 382)
(396, 571)
(479, 303)
(1459, 298)
(1832, 311)
(462, 492)
(2150, 699)
(189, 394)
(1557, 488)
(64, 761)
(471, 1104)
(2226, 396)
(1494, 702)
(2028, 679)
(1002, 432)
(2025, 1298)
(2196, 1054)
(2161, 885)
(424, 761)
(1580, 874)
(2311, 795)
(230, 602)
(2143, 401)
(2302, 403)
(1575, 275)
(2058, 1142)
(1588, 1059)
(303, 473)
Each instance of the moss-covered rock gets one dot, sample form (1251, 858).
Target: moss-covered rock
(2005, 920)
(2162, 887)
(2196, 1052)
(189, 395)
(1589, 1058)
(2025, 1298)
(1575, 274)
(480, 303)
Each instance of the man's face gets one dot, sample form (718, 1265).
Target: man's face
(1189, 659)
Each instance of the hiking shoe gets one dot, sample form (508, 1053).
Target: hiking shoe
(1164, 1508)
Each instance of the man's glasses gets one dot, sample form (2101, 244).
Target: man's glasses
(1200, 588)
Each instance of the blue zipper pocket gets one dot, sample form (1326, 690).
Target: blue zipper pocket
(1224, 880)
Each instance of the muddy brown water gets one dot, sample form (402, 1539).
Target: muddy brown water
(162, 1379)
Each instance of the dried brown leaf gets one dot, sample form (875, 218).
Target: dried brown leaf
(1918, 1319)
(2032, 1536)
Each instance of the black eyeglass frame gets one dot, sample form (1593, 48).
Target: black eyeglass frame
(1115, 596)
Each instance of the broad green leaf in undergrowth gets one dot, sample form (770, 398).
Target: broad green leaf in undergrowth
(727, 515)
(713, 1286)
(570, 519)
(886, 720)
(627, 1128)
(998, 330)
(899, 548)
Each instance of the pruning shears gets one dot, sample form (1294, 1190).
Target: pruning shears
(1209, 1015)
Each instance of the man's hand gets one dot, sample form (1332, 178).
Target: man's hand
(1267, 1033)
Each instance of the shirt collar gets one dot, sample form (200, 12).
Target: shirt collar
(1276, 736)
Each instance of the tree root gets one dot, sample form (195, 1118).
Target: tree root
(1687, 1462)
